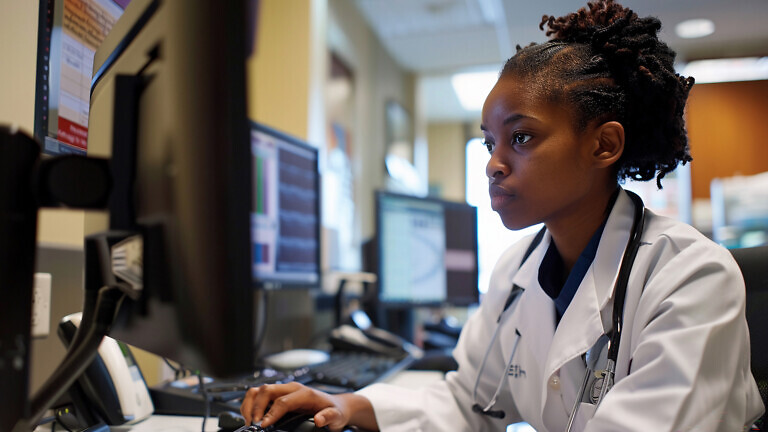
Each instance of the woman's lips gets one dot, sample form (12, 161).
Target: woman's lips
(499, 196)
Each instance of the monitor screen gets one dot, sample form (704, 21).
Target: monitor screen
(69, 33)
(427, 251)
(285, 223)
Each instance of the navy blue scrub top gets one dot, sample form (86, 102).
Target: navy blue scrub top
(552, 276)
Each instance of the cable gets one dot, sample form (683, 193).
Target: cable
(177, 371)
(263, 314)
(206, 401)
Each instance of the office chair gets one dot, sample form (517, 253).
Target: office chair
(754, 267)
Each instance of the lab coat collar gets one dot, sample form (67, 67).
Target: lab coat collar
(588, 316)
(605, 267)
(582, 324)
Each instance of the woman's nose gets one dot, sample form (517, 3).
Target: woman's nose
(495, 168)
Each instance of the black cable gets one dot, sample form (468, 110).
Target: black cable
(176, 370)
(263, 315)
(206, 401)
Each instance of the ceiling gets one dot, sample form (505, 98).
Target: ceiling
(435, 38)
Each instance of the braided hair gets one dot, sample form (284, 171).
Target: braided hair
(610, 65)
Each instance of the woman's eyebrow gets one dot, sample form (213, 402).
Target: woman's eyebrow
(511, 119)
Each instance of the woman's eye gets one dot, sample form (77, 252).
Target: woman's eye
(489, 145)
(521, 138)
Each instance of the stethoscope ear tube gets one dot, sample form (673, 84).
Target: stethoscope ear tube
(622, 280)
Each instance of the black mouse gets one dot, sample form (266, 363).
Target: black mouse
(230, 421)
(298, 422)
(309, 426)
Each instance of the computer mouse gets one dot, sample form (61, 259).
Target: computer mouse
(296, 358)
(296, 422)
(309, 426)
(230, 421)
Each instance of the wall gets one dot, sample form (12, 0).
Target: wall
(447, 171)
(727, 129)
(447, 156)
(279, 71)
(378, 79)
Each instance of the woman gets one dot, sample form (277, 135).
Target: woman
(565, 123)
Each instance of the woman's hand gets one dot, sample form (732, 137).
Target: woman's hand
(334, 411)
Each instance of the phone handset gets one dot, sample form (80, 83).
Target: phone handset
(372, 339)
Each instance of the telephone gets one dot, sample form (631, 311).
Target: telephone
(363, 336)
(112, 389)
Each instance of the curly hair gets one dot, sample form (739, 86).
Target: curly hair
(611, 65)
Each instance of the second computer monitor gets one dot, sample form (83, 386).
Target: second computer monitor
(427, 251)
(285, 226)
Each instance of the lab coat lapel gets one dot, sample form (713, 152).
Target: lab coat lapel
(535, 319)
(589, 314)
(612, 245)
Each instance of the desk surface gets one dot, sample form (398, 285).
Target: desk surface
(169, 423)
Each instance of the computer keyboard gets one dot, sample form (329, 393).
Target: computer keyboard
(345, 371)
(350, 370)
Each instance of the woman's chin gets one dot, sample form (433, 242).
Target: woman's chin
(514, 223)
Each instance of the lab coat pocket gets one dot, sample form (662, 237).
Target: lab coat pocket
(586, 411)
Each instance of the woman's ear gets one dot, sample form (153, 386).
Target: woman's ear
(610, 143)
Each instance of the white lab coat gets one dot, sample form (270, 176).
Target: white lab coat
(683, 361)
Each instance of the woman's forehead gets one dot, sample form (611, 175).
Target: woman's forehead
(518, 94)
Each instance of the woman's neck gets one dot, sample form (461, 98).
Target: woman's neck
(571, 234)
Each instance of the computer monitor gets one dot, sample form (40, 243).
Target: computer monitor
(285, 221)
(461, 254)
(69, 33)
(169, 98)
(426, 251)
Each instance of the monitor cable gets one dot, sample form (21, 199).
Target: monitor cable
(262, 316)
(204, 394)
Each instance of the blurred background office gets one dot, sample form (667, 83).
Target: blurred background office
(390, 93)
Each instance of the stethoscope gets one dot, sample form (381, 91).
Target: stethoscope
(601, 379)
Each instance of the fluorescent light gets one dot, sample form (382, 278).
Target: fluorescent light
(695, 28)
(473, 87)
(727, 70)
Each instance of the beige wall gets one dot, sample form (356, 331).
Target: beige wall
(446, 159)
(447, 149)
(278, 73)
(18, 46)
